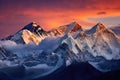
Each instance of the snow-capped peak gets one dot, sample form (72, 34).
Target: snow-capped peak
(65, 29)
(72, 27)
(30, 26)
(99, 26)
(101, 49)
(34, 24)
(31, 32)
(33, 27)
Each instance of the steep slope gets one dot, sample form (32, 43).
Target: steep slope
(69, 28)
(94, 28)
(72, 27)
(29, 30)
(35, 28)
(29, 37)
(33, 33)
(39, 34)
(107, 39)
(99, 49)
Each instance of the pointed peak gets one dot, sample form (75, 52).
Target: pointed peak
(74, 22)
(34, 24)
(69, 28)
(73, 27)
(31, 26)
(100, 26)
(99, 23)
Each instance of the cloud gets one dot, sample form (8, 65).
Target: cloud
(52, 13)
(26, 50)
(101, 13)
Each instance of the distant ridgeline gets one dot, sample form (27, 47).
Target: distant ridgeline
(40, 53)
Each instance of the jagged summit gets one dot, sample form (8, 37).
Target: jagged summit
(33, 33)
(34, 27)
(31, 26)
(72, 27)
(25, 35)
(34, 24)
(64, 29)
(100, 48)
(76, 27)
(37, 31)
(99, 26)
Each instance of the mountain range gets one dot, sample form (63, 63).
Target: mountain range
(40, 53)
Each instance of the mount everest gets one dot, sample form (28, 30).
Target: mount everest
(41, 52)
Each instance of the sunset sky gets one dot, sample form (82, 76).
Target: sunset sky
(15, 14)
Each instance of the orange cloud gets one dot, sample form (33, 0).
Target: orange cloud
(54, 13)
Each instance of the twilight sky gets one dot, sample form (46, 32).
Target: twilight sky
(15, 14)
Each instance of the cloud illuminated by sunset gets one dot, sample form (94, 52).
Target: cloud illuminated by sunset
(14, 14)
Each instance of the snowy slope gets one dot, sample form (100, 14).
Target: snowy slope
(104, 44)
(94, 28)
(72, 27)
(33, 30)
(29, 37)
(99, 46)
(107, 39)
(69, 28)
